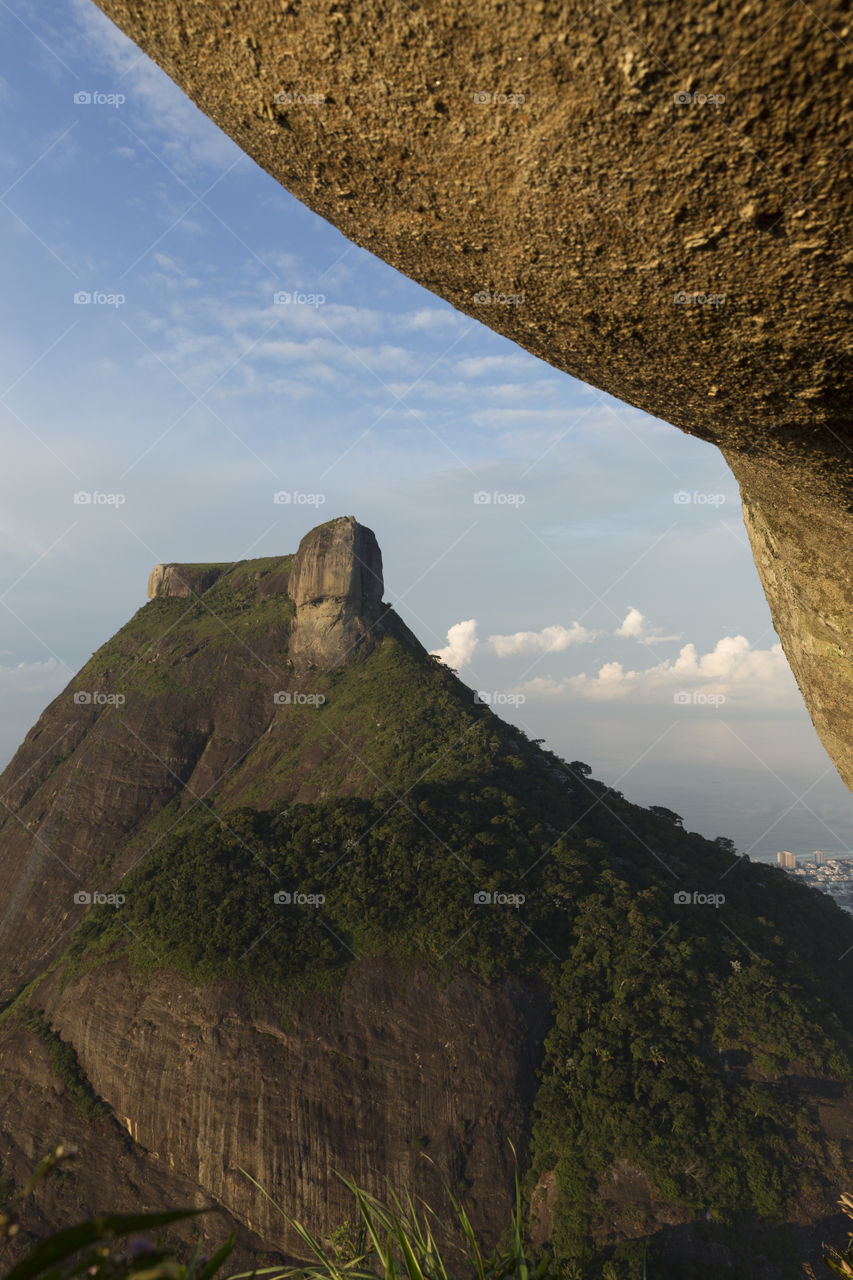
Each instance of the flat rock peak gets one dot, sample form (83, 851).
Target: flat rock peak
(182, 579)
(339, 560)
(334, 580)
(336, 584)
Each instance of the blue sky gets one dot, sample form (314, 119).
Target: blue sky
(581, 563)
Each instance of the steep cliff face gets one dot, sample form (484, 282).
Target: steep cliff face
(336, 585)
(208, 1083)
(111, 1173)
(609, 188)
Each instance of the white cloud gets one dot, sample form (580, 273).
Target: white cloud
(477, 366)
(732, 669)
(561, 420)
(549, 640)
(636, 627)
(461, 643)
(428, 318)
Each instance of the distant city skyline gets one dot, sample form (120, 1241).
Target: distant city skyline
(183, 341)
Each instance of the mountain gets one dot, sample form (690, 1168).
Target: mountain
(283, 896)
(531, 164)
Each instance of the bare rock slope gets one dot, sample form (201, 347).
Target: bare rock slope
(583, 179)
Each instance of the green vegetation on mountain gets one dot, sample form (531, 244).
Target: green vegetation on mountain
(676, 1024)
(63, 1062)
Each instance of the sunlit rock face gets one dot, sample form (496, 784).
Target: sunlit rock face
(336, 585)
(647, 197)
(181, 579)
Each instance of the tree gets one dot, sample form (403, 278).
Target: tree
(668, 814)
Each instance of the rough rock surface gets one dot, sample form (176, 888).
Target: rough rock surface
(649, 197)
(181, 579)
(207, 1079)
(336, 584)
(112, 1173)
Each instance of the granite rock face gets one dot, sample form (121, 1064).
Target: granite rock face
(648, 197)
(181, 579)
(208, 1080)
(112, 1173)
(336, 584)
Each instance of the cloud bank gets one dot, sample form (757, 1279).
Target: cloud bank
(637, 627)
(731, 670)
(549, 640)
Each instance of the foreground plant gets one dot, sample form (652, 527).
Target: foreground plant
(841, 1264)
(396, 1242)
(97, 1247)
